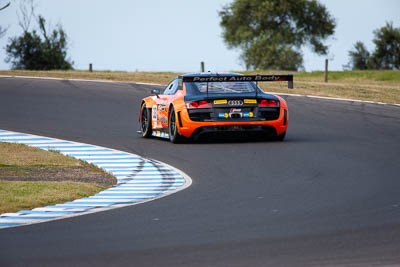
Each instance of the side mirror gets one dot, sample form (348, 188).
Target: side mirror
(155, 91)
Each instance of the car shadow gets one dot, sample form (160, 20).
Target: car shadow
(230, 140)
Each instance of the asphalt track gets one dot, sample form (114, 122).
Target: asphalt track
(327, 196)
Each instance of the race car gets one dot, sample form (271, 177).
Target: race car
(203, 104)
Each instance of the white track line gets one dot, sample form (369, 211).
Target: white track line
(335, 99)
(156, 84)
(77, 80)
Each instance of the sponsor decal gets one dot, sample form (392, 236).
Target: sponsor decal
(252, 78)
(235, 102)
(235, 110)
(248, 114)
(223, 115)
(250, 101)
(154, 115)
(222, 101)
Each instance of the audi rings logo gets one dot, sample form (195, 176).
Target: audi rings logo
(235, 103)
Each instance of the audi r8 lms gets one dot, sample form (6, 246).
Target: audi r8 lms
(195, 105)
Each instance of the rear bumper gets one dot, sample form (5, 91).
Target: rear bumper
(189, 128)
(235, 131)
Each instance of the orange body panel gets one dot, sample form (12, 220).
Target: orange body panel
(161, 106)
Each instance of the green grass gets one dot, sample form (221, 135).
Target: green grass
(368, 75)
(146, 77)
(4, 166)
(380, 86)
(22, 165)
(26, 156)
(386, 75)
(21, 195)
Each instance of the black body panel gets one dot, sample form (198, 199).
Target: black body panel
(234, 114)
(235, 131)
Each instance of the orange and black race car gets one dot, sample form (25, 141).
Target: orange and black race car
(194, 105)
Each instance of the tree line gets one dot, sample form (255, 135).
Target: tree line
(269, 33)
(42, 48)
(385, 56)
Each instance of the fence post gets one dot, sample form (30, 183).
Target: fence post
(202, 66)
(90, 67)
(326, 70)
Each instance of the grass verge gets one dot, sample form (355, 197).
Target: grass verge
(380, 86)
(22, 155)
(123, 76)
(32, 177)
(26, 195)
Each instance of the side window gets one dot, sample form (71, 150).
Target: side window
(171, 88)
(168, 88)
(175, 87)
(180, 83)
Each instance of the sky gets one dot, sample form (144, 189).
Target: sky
(176, 35)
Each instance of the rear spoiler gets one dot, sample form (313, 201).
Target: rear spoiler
(241, 78)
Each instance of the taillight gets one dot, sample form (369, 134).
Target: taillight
(198, 104)
(268, 103)
(204, 104)
(193, 104)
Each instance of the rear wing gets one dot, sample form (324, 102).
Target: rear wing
(241, 78)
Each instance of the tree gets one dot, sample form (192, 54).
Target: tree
(5, 6)
(387, 47)
(386, 55)
(270, 33)
(2, 29)
(43, 50)
(359, 57)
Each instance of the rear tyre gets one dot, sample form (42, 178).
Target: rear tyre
(174, 135)
(280, 137)
(145, 121)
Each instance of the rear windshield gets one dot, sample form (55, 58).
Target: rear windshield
(199, 88)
